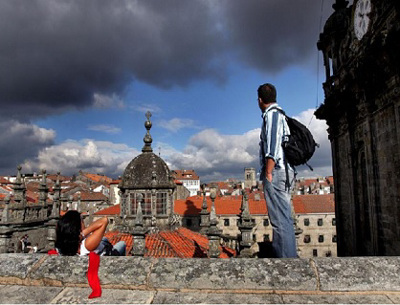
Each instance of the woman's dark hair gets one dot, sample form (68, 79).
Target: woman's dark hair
(68, 233)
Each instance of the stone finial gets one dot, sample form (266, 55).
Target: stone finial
(147, 138)
(204, 214)
(139, 233)
(213, 233)
(246, 226)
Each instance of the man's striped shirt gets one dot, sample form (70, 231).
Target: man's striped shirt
(274, 131)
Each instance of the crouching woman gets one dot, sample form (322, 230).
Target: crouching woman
(73, 238)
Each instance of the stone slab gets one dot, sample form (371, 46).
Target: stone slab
(66, 269)
(109, 296)
(10, 294)
(395, 298)
(359, 274)
(17, 265)
(124, 270)
(336, 299)
(214, 298)
(113, 270)
(258, 274)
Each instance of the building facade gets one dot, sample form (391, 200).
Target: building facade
(361, 51)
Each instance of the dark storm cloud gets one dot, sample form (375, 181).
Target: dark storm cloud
(57, 54)
(270, 35)
(20, 141)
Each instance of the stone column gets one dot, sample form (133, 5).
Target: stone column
(204, 214)
(5, 237)
(55, 211)
(139, 232)
(5, 218)
(246, 226)
(213, 233)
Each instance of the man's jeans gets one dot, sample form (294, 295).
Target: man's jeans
(280, 213)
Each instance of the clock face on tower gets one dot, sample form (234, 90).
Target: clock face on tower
(361, 17)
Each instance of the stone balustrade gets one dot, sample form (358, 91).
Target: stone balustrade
(238, 280)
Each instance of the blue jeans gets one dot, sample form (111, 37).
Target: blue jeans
(278, 202)
(119, 247)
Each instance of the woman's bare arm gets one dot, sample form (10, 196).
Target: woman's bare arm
(97, 229)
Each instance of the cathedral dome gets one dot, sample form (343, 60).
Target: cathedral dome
(147, 170)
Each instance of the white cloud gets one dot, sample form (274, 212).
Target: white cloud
(106, 101)
(176, 124)
(95, 156)
(105, 128)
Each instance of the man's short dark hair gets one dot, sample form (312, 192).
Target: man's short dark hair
(267, 93)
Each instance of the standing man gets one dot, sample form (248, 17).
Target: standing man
(277, 184)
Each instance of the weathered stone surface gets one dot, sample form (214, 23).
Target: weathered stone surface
(260, 274)
(109, 296)
(394, 298)
(66, 269)
(336, 299)
(359, 274)
(124, 270)
(17, 265)
(215, 298)
(27, 294)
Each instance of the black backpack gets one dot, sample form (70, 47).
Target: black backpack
(301, 145)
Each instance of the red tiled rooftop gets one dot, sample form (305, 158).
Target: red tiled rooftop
(189, 174)
(97, 178)
(182, 243)
(224, 205)
(304, 204)
(113, 210)
(90, 196)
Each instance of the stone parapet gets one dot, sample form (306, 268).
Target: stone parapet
(319, 280)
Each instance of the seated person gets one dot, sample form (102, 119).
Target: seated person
(73, 238)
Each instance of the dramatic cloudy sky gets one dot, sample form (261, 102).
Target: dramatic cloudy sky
(77, 77)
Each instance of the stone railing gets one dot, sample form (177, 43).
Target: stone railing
(319, 280)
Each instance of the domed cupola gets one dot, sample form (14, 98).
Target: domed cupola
(147, 170)
(147, 179)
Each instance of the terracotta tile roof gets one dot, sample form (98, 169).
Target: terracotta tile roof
(224, 205)
(181, 243)
(90, 196)
(98, 178)
(330, 179)
(304, 204)
(4, 181)
(113, 210)
(115, 181)
(189, 174)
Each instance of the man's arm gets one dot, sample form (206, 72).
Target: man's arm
(269, 168)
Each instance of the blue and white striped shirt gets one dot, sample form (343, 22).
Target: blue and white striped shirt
(274, 131)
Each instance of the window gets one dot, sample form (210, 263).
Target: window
(307, 239)
(254, 237)
(266, 238)
(226, 222)
(146, 203)
(333, 221)
(161, 203)
(306, 221)
(266, 222)
(315, 252)
(321, 238)
(320, 221)
(334, 238)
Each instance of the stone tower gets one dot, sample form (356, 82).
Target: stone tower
(361, 52)
(250, 177)
(147, 179)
